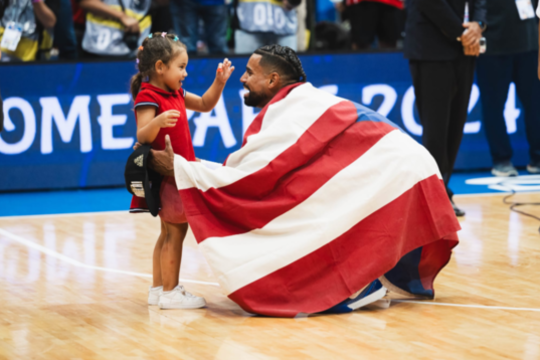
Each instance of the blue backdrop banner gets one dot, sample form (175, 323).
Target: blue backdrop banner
(72, 125)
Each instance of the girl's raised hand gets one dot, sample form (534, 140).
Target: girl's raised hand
(224, 71)
(167, 118)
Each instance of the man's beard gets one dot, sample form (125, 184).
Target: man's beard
(254, 99)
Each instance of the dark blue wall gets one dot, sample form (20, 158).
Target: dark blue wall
(35, 154)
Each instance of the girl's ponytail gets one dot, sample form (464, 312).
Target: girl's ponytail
(136, 81)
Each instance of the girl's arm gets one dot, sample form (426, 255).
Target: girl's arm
(210, 98)
(99, 8)
(148, 124)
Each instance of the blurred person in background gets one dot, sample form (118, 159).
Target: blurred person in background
(64, 32)
(1, 106)
(265, 22)
(26, 29)
(512, 46)
(186, 15)
(372, 19)
(442, 45)
(115, 28)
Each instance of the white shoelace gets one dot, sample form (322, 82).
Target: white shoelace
(185, 292)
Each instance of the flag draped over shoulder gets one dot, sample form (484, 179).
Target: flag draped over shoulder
(323, 197)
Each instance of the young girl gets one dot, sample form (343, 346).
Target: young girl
(160, 109)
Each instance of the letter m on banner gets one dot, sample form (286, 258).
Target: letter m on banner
(52, 112)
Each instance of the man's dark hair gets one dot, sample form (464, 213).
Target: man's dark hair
(283, 60)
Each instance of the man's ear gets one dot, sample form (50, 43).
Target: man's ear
(274, 80)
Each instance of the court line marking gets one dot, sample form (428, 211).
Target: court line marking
(494, 193)
(12, 217)
(71, 261)
(114, 212)
(488, 307)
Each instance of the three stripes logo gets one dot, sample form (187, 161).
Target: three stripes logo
(139, 161)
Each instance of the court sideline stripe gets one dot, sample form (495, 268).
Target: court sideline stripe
(488, 307)
(116, 212)
(71, 261)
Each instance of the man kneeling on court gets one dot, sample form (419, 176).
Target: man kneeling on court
(325, 207)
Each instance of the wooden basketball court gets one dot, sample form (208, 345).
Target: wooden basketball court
(75, 287)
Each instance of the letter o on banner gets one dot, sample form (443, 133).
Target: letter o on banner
(29, 126)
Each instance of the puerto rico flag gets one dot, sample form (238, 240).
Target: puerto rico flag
(323, 197)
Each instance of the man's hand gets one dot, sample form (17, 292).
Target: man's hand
(473, 50)
(472, 34)
(287, 5)
(163, 161)
(131, 24)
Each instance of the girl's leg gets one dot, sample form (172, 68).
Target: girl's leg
(156, 259)
(171, 254)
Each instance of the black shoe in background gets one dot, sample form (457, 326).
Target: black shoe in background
(457, 210)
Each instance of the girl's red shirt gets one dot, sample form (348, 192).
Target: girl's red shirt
(151, 95)
(162, 100)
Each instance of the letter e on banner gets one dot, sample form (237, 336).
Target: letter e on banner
(107, 121)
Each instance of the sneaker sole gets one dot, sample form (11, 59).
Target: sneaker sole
(172, 307)
(533, 170)
(504, 174)
(377, 295)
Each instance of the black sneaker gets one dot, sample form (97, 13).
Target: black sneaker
(457, 210)
(504, 169)
(534, 168)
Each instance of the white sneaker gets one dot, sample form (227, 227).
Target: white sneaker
(179, 298)
(153, 294)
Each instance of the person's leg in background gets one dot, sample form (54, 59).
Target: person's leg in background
(64, 32)
(186, 22)
(528, 91)
(494, 75)
(363, 18)
(463, 71)
(435, 87)
(387, 27)
(215, 27)
(246, 43)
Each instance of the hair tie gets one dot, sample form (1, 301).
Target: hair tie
(150, 36)
(175, 38)
(163, 34)
(140, 49)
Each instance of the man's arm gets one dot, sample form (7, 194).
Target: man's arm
(538, 14)
(44, 14)
(480, 11)
(99, 8)
(441, 14)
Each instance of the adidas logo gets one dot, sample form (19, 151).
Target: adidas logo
(139, 161)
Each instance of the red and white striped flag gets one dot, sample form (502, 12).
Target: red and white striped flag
(324, 197)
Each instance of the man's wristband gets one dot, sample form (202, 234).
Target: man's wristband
(482, 24)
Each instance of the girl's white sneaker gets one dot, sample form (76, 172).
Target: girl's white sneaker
(153, 294)
(179, 298)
